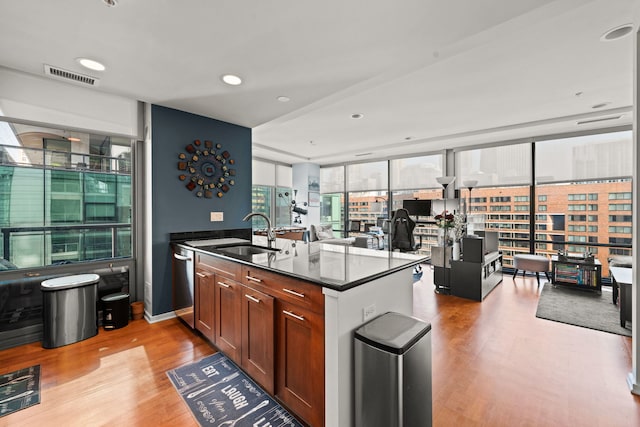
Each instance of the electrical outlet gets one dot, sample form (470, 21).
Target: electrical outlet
(368, 312)
(217, 216)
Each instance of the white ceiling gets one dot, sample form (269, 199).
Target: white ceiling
(426, 74)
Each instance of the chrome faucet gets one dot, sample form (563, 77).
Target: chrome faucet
(271, 235)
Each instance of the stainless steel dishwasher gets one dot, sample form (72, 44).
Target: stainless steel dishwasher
(183, 284)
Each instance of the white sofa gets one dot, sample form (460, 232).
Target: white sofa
(325, 234)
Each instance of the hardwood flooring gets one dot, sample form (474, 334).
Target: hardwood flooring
(494, 364)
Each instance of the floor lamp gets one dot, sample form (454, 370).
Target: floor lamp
(445, 181)
(469, 184)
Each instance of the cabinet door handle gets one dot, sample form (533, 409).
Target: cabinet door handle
(256, 300)
(181, 257)
(289, 291)
(253, 279)
(201, 275)
(295, 316)
(224, 285)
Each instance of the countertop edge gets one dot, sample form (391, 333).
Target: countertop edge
(335, 287)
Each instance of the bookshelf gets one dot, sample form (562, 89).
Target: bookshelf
(577, 273)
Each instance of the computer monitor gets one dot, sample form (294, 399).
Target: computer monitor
(417, 207)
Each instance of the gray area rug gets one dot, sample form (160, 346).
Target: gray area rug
(580, 308)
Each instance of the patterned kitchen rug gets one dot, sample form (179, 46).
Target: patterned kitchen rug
(219, 394)
(19, 389)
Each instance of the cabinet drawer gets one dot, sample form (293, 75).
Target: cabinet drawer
(219, 266)
(286, 288)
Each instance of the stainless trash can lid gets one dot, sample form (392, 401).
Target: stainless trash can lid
(115, 297)
(68, 282)
(392, 332)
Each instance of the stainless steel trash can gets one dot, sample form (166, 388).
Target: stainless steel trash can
(115, 310)
(393, 372)
(69, 309)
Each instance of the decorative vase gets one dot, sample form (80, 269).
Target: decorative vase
(442, 236)
(455, 253)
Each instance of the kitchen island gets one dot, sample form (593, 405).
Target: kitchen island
(344, 287)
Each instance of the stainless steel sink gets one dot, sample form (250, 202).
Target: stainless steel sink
(246, 250)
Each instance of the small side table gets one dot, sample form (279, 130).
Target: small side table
(623, 278)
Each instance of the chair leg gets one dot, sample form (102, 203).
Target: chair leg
(546, 273)
(523, 273)
(538, 278)
(514, 274)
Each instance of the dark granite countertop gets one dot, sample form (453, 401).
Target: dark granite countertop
(332, 266)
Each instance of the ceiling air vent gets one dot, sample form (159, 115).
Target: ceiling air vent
(584, 122)
(70, 76)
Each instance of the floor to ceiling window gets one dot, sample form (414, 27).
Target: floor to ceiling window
(65, 197)
(366, 187)
(332, 198)
(575, 195)
(414, 178)
(583, 194)
(272, 194)
(496, 183)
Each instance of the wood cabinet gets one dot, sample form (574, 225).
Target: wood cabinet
(300, 361)
(299, 340)
(204, 305)
(269, 324)
(258, 339)
(228, 317)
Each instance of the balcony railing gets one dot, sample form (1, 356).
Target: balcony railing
(82, 250)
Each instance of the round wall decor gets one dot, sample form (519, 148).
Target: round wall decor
(206, 169)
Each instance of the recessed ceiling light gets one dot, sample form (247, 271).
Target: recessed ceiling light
(283, 99)
(617, 33)
(357, 116)
(407, 138)
(91, 64)
(74, 139)
(600, 105)
(110, 3)
(232, 80)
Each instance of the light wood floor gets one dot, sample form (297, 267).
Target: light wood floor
(494, 364)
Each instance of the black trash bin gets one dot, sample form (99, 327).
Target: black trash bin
(115, 310)
(69, 309)
(393, 372)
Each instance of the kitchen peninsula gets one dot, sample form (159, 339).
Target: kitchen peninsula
(318, 294)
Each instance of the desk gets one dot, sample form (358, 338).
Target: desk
(622, 277)
(291, 233)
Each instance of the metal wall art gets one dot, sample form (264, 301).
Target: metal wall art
(207, 169)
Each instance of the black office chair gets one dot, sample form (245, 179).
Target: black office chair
(401, 230)
(401, 237)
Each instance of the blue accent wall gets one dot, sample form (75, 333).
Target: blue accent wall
(176, 209)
